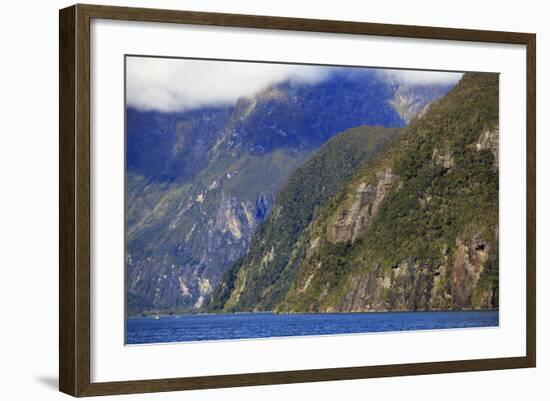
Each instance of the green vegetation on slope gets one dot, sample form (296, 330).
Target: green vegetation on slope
(262, 277)
(416, 228)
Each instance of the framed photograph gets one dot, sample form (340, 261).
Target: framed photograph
(250, 200)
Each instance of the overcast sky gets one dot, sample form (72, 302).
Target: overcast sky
(165, 84)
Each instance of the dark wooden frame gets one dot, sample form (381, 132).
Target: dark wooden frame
(74, 199)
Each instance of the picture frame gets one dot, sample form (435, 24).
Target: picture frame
(76, 200)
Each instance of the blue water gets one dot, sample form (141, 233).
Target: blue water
(143, 330)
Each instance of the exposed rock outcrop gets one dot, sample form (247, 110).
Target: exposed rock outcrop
(413, 101)
(406, 286)
(444, 159)
(468, 263)
(451, 283)
(353, 220)
(489, 140)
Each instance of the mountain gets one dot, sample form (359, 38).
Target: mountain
(199, 183)
(274, 246)
(414, 228)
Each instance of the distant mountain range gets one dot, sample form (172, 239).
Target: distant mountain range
(415, 227)
(200, 183)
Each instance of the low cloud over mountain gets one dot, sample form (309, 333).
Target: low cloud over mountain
(175, 85)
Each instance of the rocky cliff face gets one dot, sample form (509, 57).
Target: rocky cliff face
(451, 283)
(412, 101)
(350, 222)
(415, 228)
(199, 183)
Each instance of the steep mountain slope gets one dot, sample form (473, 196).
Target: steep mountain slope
(198, 183)
(416, 228)
(412, 100)
(274, 249)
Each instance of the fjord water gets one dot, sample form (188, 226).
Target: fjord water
(202, 327)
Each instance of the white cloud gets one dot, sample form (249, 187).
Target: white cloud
(416, 77)
(181, 84)
(166, 84)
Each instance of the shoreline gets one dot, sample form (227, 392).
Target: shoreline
(174, 314)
